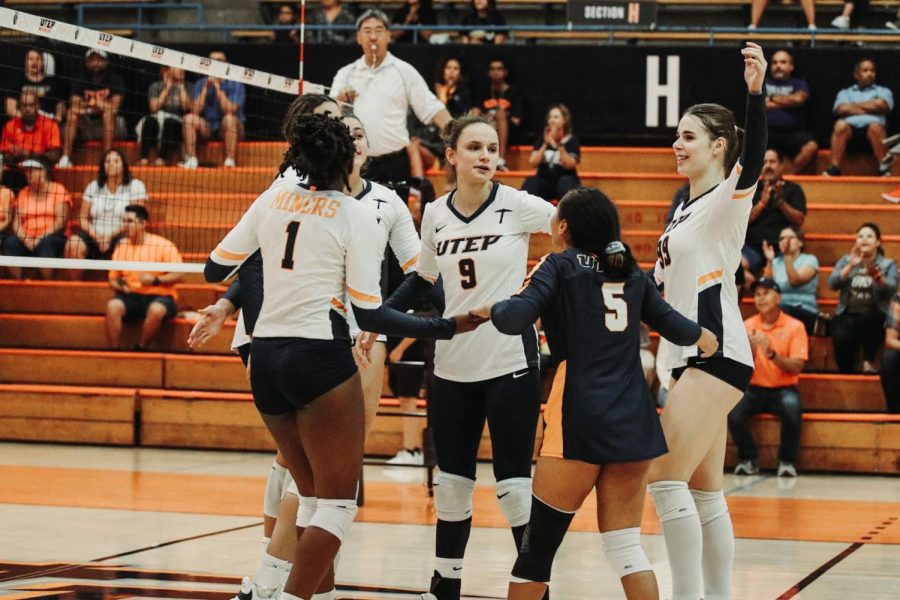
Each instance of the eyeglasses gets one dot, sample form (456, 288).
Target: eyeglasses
(377, 31)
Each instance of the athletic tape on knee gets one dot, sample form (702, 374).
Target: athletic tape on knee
(623, 550)
(334, 516)
(306, 510)
(514, 498)
(673, 500)
(710, 505)
(545, 532)
(453, 497)
(274, 490)
(290, 487)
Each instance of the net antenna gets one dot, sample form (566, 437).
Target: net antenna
(302, 45)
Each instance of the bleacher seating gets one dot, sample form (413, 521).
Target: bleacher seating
(59, 383)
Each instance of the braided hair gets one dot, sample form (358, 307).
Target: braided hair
(302, 105)
(321, 149)
(594, 227)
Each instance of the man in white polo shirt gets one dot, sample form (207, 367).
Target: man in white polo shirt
(382, 88)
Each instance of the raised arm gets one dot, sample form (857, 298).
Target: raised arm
(755, 129)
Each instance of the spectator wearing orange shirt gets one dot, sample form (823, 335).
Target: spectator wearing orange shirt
(40, 213)
(29, 135)
(150, 296)
(6, 200)
(780, 351)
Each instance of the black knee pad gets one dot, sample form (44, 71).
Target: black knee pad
(543, 535)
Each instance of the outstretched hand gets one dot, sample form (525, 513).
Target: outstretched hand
(468, 322)
(708, 343)
(755, 67)
(208, 326)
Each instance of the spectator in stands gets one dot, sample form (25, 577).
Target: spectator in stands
(217, 110)
(160, 131)
(797, 276)
(150, 296)
(867, 280)
(776, 204)
(49, 89)
(484, 14)
(780, 351)
(96, 98)
(556, 155)
(758, 7)
(861, 111)
(854, 13)
(103, 206)
(890, 360)
(451, 88)
(40, 213)
(30, 135)
(382, 89)
(502, 104)
(786, 98)
(332, 12)
(287, 16)
(7, 197)
(413, 12)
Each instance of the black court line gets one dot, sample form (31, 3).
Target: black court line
(63, 569)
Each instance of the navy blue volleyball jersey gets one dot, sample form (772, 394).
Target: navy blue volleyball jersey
(600, 410)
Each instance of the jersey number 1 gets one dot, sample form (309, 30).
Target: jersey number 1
(292, 229)
(616, 308)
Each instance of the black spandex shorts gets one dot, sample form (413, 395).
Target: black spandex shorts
(289, 373)
(244, 352)
(136, 305)
(732, 372)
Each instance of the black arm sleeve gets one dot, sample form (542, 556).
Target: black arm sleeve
(233, 293)
(213, 272)
(671, 324)
(399, 324)
(515, 315)
(407, 294)
(755, 140)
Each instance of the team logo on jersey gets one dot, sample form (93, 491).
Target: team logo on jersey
(438, 229)
(378, 202)
(502, 212)
(475, 243)
(589, 261)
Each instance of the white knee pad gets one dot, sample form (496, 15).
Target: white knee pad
(306, 510)
(514, 498)
(673, 500)
(290, 487)
(453, 497)
(274, 490)
(334, 516)
(623, 550)
(710, 505)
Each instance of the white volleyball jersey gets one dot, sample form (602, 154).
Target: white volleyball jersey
(317, 248)
(482, 260)
(697, 257)
(393, 214)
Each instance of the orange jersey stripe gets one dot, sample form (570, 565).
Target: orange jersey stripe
(745, 194)
(552, 444)
(709, 277)
(229, 255)
(409, 263)
(530, 275)
(338, 304)
(363, 297)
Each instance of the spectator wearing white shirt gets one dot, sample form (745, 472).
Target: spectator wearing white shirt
(382, 89)
(102, 209)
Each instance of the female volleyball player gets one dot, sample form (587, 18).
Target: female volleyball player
(601, 429)
(696, 257)
(476, 239)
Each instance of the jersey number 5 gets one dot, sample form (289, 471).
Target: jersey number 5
(292, 229)
(467, 274)
(616, 308)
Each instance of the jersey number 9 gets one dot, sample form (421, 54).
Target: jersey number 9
(616, 308)
(662, 251)
(467, 274)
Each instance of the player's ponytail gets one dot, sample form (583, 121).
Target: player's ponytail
(593, 224)
(719, 122)
(322, 150)
(453, 130)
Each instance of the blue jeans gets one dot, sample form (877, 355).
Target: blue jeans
(783, 402)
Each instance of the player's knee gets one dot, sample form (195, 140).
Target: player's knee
(453, 497)
(672, 499)
(543, 535)
(710, 505)
(623, 550)
(306, 510)
(514, 498)
(274, 490)
(334, 516)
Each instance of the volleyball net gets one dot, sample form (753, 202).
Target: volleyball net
(94, 122)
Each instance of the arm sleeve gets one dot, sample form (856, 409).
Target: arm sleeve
(518, 313)
(755, 140)
(138, 190)
(889, 97)
(799, 347)
(233, 293)
(421, 100)
(232, 251)
(889, 274)
(403, 238)
(392, 322)
(409, 292)
(339, 82)
(834, 280)
(239, 95)
(841, 98)
(535, 213)
(670, 323)
(797, 198)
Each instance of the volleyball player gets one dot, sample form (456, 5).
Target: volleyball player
(476, 239)
(696, 257)
(318, 247)
(602, 428)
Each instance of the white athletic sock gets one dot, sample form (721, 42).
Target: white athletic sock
(272, 572)
(684, 540)
(265, 542)
(286, 596)
(324, 596)
(449, 568)
(718, 543)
